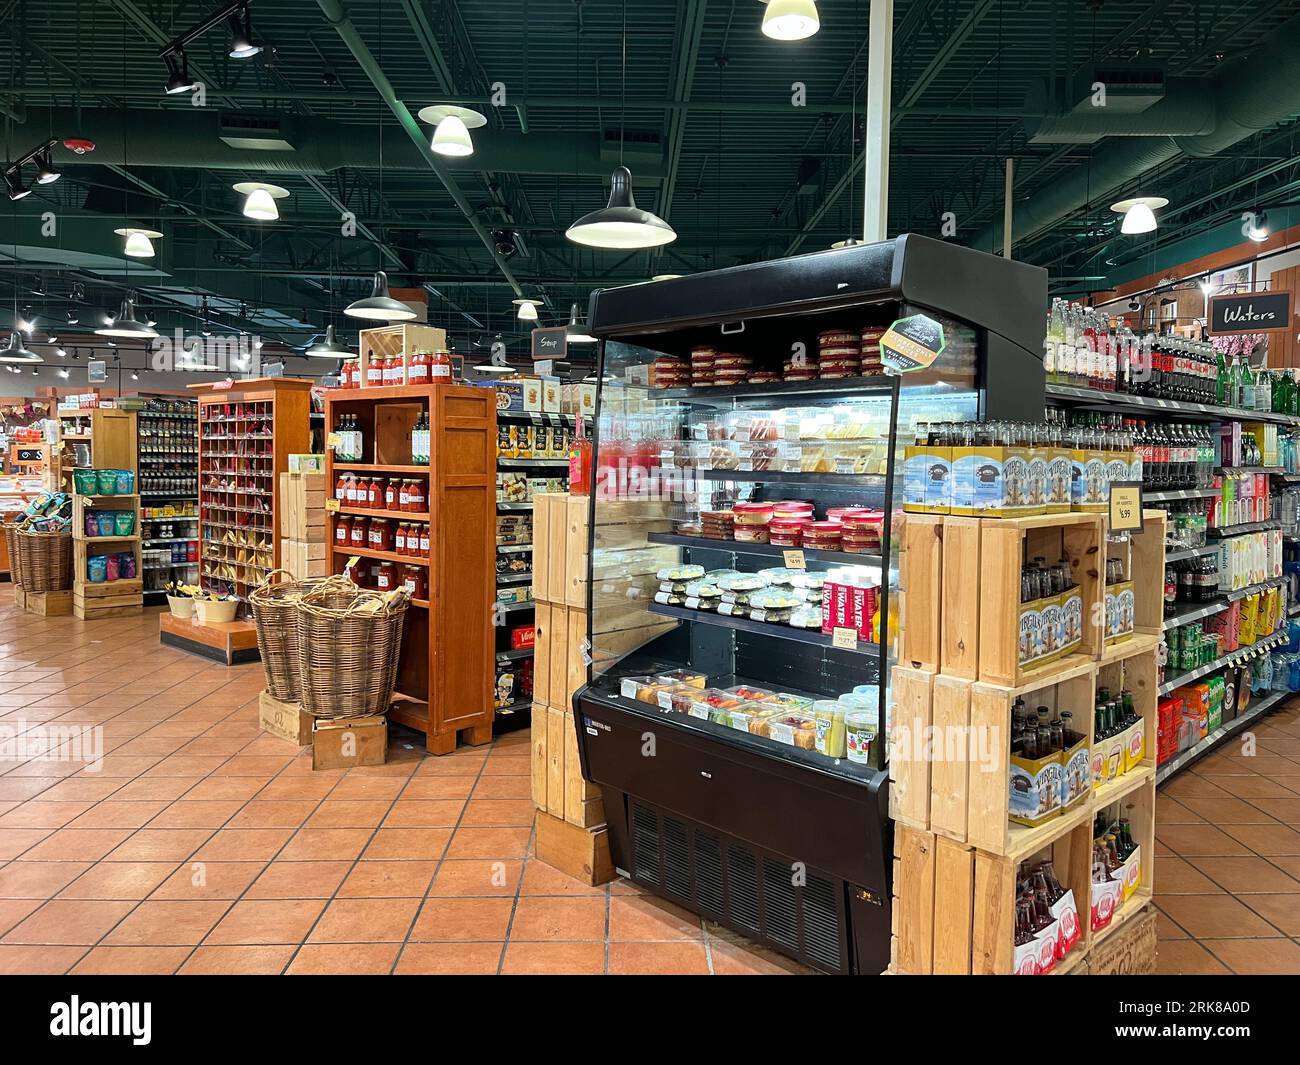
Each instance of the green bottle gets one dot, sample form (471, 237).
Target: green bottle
(1223, 384)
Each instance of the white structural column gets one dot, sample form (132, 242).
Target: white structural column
(875, 159)
(1008, 183)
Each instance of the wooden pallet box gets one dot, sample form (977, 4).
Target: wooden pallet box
(909, 768)
(287, 721)
(921, 586)
(404, 339)
(582, 853)
(302, 510)
(1131, 952)
(558, 786)
(49, 604)
(349, 742)
(304, 559)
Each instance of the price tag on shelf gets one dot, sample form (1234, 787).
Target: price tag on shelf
(333, 440)
(845, 639)
(352, 562)
(1126, 506)
(332, 505)
(794, 560)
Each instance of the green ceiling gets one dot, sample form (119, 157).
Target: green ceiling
(702, 107)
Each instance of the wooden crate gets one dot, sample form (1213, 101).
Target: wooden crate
(1131, 951)
(1070, 686)
(575, 551)
(921, 586)
(287, 721)
(404, 339)
(934, 902)
(909, 770)
(302, 507)
(49, 604)
(960, 609)
(952, 761)
(349, 742)
(543, 545)
(558, 786)
(1138, 804)
(304, 559)
(582, 853)
(110, 599)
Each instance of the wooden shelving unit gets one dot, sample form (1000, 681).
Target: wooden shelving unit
(445, 673)
(167, 443)
(247, 431)
(112, 447)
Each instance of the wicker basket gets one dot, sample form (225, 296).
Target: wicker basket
(349, 640)
(15, 557)
(46, 560)
(275, 610)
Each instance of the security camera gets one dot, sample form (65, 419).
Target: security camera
(504, 240)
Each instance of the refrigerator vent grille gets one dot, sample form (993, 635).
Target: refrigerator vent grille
(746, 888)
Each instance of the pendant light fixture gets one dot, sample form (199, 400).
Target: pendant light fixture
(16, 351)
(242, 45)
(451, 128)
(1139, 213)
(527, 309)
(330, 348)
(620, 225)
(379, 305)
(790, 20)
(577, 331)
(139, 242)
(126, 324)
(1257, 227)
(259, 202)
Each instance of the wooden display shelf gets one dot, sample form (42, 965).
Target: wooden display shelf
(445, 672)
(383, 556)
(108, 539)
(231, 642)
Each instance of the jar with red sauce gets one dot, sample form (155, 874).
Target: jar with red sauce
(415, 501)
(418, 372)
(341, 488)
(399, 539)
(359, 535)
(423, 540)
(390, 495)
(439, 369)
(415, 582)
(374, 370)
(375, 493)
(381, 534)
(386, 577)
(343, 531)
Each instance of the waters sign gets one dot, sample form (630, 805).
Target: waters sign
(1250, 312)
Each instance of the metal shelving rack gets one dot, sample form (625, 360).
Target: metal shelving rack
(167, 443)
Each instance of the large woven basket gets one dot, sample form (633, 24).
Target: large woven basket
(275, 611)
(349, 640)
(46, 560)
(15, 557)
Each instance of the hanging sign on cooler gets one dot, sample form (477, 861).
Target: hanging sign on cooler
(911, 343)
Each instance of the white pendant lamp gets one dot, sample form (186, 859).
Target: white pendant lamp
(330, 347)
(259, 202)
(527, 309)
(452, 124)
(379, 305)
(1257, 227)
(790, 20)
(621, 225)
(139, 242)
(1139, 213)
(17, 352)
(126, 324)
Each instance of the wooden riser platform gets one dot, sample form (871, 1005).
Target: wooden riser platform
(232, 643)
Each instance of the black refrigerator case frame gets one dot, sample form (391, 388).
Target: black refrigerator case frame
(793, 856)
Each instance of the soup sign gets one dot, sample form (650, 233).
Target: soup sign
(1250, 312)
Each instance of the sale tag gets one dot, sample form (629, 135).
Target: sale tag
(352, 562)
(845, 639)
(332, 505)
(1126, 506)
(794, 560)
(333, 440)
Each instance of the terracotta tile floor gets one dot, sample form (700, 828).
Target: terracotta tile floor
(202, 845)
(1228, 857)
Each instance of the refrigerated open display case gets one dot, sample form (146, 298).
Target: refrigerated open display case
(739, 688)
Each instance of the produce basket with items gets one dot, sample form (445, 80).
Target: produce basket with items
(349, 640)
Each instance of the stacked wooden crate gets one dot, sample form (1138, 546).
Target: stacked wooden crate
(956, 852)
(571, 833)
(302, 524)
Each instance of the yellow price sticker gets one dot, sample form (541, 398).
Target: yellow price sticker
(333, 440)
(794, 560)
(332, 505)
(1125, 506)
(352, 562)
(845, 639)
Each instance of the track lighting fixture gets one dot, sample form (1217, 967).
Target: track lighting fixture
(45, 172)
(42, 158)
(14, 185)
(242, 44)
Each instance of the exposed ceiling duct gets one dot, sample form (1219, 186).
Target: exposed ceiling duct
(1186, 109)
(300, 144)
(1255, 93)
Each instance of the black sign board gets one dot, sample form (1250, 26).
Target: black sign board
(551, 342)
(30, 454)
(1250, 312)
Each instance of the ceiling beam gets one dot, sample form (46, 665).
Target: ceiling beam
(685, 57)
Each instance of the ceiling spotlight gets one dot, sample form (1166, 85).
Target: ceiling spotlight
(527, 309)
(126, 325)
(242, 45)
(178, 73)
(1139, 213)
(329, 348)
(45, 172)
(1257, 226)
(17, 352)
(61, 353)
(139, 242)
(260, 199)
(620, 224)
(577, 331)
(790, 20)
(451, 128)
(1207, 288)
(14, 185)
(63, 371)
(379, 304)
(72, 318)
